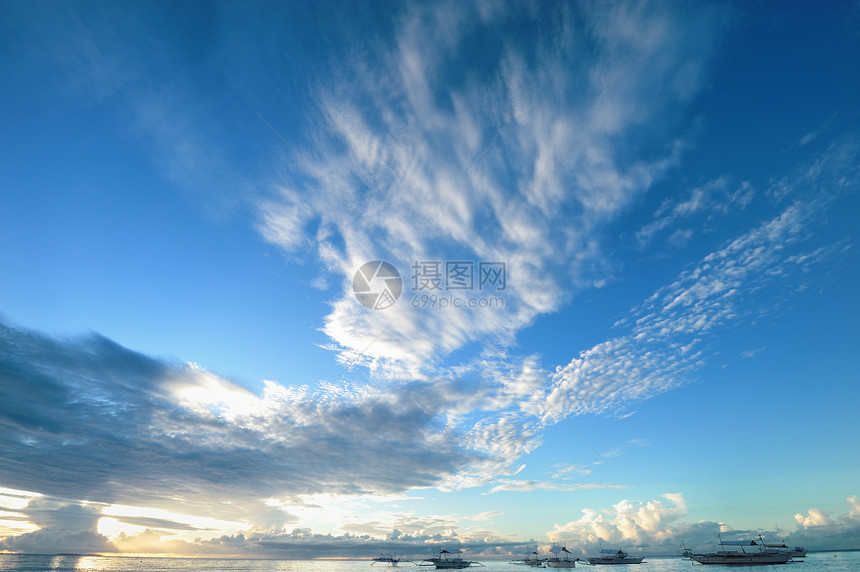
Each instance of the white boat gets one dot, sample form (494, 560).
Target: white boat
(446, 562)
(746, 553)
(561, 558)
(610, 557)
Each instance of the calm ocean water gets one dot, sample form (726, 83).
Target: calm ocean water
(825, 561)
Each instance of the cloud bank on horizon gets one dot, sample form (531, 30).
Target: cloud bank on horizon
(658, 526)
(441, 136)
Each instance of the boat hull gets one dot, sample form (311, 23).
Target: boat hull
(742, 559)
(449, 563)
(561, 564)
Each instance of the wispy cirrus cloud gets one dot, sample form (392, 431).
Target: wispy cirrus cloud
(516, 159)
(710, 199)
(832, 172)
(567, 471)
(534, 485)
(668, 332)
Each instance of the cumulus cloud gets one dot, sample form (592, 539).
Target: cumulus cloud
(813, 517)
(628, 523)
(63, 528)
(660, 526)
(818, 528)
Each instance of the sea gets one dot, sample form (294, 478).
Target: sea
(824, 561)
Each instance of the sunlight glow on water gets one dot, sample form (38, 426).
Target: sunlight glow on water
(824, 561)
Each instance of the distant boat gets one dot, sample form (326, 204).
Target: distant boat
(561, 558)
(445, 562)
(610, 557)
(750, 553)
(390, 559)
(531, 558)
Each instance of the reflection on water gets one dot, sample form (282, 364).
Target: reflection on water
(825, 561)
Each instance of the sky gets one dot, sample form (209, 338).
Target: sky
(336, 279)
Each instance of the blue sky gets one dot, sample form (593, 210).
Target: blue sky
(669, 190)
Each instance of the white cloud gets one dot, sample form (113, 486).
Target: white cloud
(813, 517)
(532, 485)
(817, 528)
(522, 168)
(62, 528)
(669, 331)
(565, 471)
(818, 518)
(817, 132)
(835, 171)
(752, 353)
(711, 199)
(660, 526)
(627, 523)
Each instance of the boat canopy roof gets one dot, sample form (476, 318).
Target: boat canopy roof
(738, 543)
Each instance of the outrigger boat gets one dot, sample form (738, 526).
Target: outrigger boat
(610, 557)
(445, 562)
(758, 555)
(559, 561)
